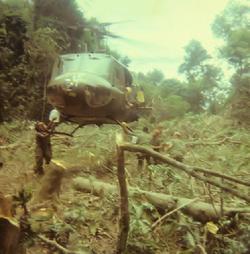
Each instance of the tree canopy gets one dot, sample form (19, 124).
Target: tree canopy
(233, 26)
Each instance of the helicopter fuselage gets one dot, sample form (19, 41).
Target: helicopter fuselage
(90, 88)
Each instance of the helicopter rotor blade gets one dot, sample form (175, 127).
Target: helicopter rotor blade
(105, 24)
(101, 28)
(112, 35)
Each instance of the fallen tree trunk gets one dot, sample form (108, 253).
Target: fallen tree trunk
(198, 210)
(190, 170)
(51, 183)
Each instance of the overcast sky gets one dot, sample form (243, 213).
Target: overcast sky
(157, 30)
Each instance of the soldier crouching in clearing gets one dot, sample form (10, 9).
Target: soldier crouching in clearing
(141, 158)
(43, 150)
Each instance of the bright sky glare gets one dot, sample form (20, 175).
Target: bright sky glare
(156, 31)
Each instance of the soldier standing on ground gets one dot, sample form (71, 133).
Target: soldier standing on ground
(137, 137)
(156, 141)
(43, 150)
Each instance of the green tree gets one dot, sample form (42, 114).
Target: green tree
(240, 103)
(155, 76)
(235, 16)
(170, 87)
(237, 49)
(13, 65)
(233, 26)
(194, 60)
(41, 52)
(65, 17)
(202, 77)
(170, 107)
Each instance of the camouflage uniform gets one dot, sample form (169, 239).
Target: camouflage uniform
(156, 142)
(43, 150)
(143, 138)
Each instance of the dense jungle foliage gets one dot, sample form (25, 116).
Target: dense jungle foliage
(33, 33)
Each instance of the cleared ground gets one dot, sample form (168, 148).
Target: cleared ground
(86, 221)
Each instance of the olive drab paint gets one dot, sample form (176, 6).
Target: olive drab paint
(91, 88)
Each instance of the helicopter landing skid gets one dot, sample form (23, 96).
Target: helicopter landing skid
(89, 120)
(82, 121)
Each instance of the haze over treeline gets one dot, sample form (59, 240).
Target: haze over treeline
(33, 33)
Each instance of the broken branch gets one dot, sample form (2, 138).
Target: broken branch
(186, 168)
(211, 143)
(171, 212)
(215, 173)
(124, 211)
(57, 245)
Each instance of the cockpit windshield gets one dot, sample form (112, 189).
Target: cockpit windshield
(92, 63)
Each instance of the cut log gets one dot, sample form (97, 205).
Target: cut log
(9, 227)
(198, 210)
(51, 183)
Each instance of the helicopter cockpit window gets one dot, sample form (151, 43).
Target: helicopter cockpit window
(85, 63)
(128, 78)
(119, 76)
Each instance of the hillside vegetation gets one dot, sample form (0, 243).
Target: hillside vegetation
(81, 220)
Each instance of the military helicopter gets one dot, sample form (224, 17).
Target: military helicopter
(93, 88)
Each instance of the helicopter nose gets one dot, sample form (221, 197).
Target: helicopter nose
(85, 90)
